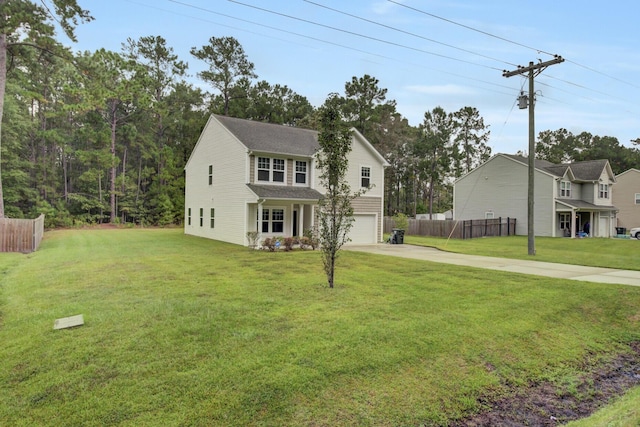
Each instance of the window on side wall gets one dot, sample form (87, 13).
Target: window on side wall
(189, 216)
(201, 217)
(213, 217)
(488, 215)
(210, 174)
(637, 198)
(365, 176)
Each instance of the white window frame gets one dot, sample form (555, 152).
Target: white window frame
(299, 172)
(210, 174)
(637, 198)
(603, 191)
(363, 176)
(201, 217)
(268, 164)
(270, 219)
(213, 217)
(489, 215)
(565, 188)
(565, 221)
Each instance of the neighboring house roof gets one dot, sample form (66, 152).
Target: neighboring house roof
(628, 171)
(581, 204)
(284, 192)
(589, 170)
(272, 138)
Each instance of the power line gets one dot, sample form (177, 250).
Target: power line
(361, 35)
(469, 27)
(510, 41)
(408, 33)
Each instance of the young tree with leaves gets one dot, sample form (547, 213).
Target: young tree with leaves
(335, 214)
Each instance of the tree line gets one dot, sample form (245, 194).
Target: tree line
(104, 136)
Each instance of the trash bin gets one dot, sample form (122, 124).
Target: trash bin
(621, 230)
(398, 236)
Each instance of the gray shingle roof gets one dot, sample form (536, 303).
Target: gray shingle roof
(272, 138)
(581, 204)
(284, 192)
(582, 171)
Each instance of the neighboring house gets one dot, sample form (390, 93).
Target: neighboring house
(245, 176)
(626, 196)
(566, 196)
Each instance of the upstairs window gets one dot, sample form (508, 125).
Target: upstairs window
(264, 168)
(213, 217)
(604, 191)
(278, 170)
(365, 176)
(189, 216)
(301, 172)
(565, 189)
(637, 198)
(271, 170)
(210, 174)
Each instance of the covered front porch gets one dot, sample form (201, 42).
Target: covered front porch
(281, 211)
(576, 218)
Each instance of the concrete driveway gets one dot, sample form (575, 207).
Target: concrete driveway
(548, 269)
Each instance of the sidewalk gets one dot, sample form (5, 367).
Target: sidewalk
(548, 269)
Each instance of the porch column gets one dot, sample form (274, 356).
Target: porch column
(591, 224)
(301, 220)
(259, 219)
(574, 223)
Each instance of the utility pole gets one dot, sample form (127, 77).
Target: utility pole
(533, 70)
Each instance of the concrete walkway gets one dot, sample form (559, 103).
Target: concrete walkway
(548, 269)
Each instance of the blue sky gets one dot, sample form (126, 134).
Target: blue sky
(427, 53)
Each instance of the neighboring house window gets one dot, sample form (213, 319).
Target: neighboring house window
(565, 221)
(201, 217)
(365, 176)
(213, 217)
(488, 215)
(604, 191)
(210, 174)
(273, 220)
(637, 198)
(301, 172)
(189, 216)
(270, 170)
(565, 189)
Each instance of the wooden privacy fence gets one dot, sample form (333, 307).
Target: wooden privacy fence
(21, 235)
(457, 229)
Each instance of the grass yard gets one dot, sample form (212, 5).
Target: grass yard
(595, 252)
(187, 331)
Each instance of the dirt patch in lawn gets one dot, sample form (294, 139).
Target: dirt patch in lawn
(549, 405)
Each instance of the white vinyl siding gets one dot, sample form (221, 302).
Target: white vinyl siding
(228, 194)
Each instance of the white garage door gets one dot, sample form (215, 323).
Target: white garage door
(364, 230)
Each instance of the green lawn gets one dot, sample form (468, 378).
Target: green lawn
(187, 331)
(595, 252)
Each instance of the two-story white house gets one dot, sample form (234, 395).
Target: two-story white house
(245, 176)
(566, 196)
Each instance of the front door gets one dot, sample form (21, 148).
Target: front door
(295, 224)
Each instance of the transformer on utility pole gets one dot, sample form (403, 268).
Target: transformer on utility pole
(533, 70)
